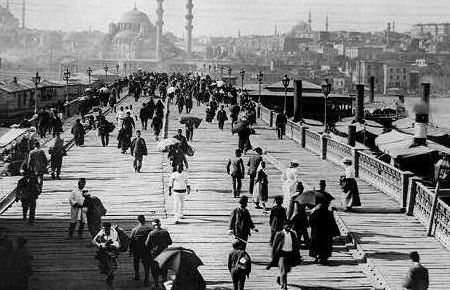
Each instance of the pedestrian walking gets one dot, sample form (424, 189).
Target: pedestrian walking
(221, 117)
(350, 196)
(177, 157)
(180, 104)
(27, 192)
(235, 168)
(143, 115)
(189, 130)
(285, 253)
(300, 224)
(157, 124)
(128, 126)
(107, 242)
(138, 249)
(120, 116)
(253, 164)
(280, 123)
(43, 122)
(57, 152)
(78, 133)
(37, 163)
(241, 222)
(104, 130)
(138, 150)
(179, 186)
(76, 201)
(289, 180)
(94, 210)
(239, 265)
(277, 217)
(188, 104)
(417, 276)
(261, 190)
(56, 125)
(158, 240)
(323, 229)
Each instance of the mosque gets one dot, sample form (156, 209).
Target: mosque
(134, 36)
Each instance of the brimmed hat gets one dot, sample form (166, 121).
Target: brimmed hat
(243, 200)
(106, 225)
(347, 160)
(295, 163)
(258, 150)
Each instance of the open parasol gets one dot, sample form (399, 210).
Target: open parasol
(191, 119)
(178, 259)
(314, 197)
(104, 90)
(239, 126)
(171, 90)
(163, 144)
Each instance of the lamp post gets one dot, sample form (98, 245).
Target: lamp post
(441, 174)
(66, 78)
(326, 90)
(89, 73)
(36, 81)
(209, 68)
(125, 67)
(117, 72)
(285, 81)
(106, 74)
(204, 67)
(242, 72)
(260, 81)
(221, 72)
(229, 72)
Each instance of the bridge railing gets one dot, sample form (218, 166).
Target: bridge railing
(422, 206)
(390, 180)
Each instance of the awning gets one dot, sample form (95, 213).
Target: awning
(398, 144)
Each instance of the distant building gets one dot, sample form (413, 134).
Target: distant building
(396, 75)
(364, 52)
(366, 69)
(132, 36)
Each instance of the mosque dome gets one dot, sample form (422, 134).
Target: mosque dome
(135, 17)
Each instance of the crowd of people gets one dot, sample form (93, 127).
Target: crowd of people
(299, 220)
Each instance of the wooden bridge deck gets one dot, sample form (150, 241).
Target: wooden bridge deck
(384, 235)
(61, 264)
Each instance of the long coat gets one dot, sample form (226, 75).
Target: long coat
(323, 229)
(278, 242)
(350, 192)
(37, 162)
(138, 147)
(261, 189)
(241, 223)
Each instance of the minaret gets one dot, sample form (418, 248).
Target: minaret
(7, 5)
(309, 21)
(23, 14)
(388, 34)
(326, 24)
(159, 27)
(189, 27)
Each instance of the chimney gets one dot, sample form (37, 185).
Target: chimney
(359, 116)
(421, 122)
(372, 89)
(298, 110)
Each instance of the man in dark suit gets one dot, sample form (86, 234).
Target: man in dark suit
(280, 123)
(239, 265)
(285, 253)
(37, 163)
(138, 150)
(417, 276)
(157, 241)
(241, 222)
(139, 235)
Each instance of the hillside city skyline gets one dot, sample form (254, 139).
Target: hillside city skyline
(230, 17)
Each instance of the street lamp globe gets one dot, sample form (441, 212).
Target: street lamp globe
(260, 77)
(286, 80)
(229, 71)
(36, 81)
(326, 88)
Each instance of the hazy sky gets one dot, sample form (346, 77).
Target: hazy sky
(226, 17)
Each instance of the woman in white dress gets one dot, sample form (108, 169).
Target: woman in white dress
(289, 179)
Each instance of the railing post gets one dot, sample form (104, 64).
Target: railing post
(405, 184)
(303, 141)
(323, 147)
(258, 111)
(412, 192)
(271, 119)
(355, 160)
